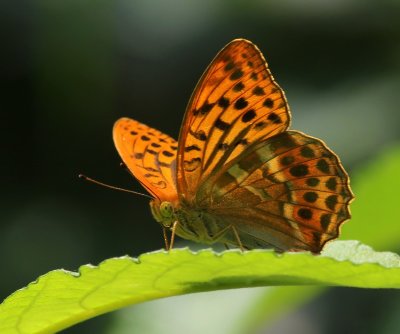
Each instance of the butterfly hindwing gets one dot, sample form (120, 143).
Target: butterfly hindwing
(236, 103)
(291, 192)
(150, 155)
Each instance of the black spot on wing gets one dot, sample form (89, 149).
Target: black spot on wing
(223, 102)
(241, 104)
(221, 125)
(237, 74)
(287, 160)
(238, 87)
(260, 125)
(310, 196)
(305, 213)
(274, 118)
(269, 103)
(312, 182)
(331, 183)
(248, 115)
(307, 152)
(192, 148)
(323, 166)
(254, 76)
(325, 220)
(200, 135)
(229, 66)
(258, 91)
(204, 109)
(299, 170)
(331, 202)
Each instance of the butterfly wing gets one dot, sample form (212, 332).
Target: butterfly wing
(150, 155)
(235, 105)
(290, 193)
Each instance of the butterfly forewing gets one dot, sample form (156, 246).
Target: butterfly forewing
(291, 192)
(236, 104)
(150, 155)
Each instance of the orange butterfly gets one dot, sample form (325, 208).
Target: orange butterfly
(237, 175)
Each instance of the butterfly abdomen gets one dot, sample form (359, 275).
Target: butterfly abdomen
(198, 225)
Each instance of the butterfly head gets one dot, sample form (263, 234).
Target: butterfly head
(163, 212)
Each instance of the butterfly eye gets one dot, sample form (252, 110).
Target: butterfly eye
(166, 209)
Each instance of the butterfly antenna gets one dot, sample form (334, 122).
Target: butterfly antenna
(86, 178)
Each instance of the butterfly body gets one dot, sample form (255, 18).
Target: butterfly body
(237, 175)
(194, 224)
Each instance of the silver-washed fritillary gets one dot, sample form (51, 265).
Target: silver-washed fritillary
(237, 175)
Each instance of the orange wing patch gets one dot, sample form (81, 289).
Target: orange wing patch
(236, 103)
(150, 155)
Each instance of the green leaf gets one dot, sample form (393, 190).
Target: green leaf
(60, 298)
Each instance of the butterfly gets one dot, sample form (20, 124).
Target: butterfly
(237, 175)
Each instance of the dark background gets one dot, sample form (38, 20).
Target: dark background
(70, 69)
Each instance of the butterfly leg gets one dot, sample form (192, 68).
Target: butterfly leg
(235, 232)
(221, 233)
(173, 230)
(165, 238)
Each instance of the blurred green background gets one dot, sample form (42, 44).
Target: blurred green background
(72, 68)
